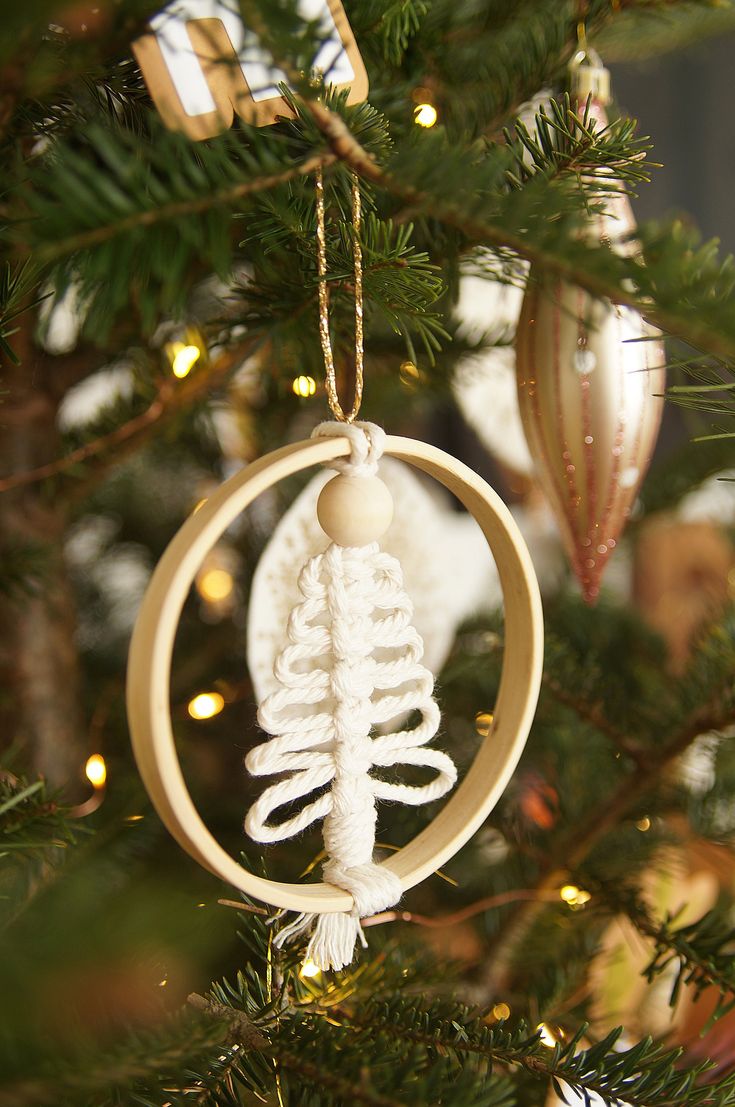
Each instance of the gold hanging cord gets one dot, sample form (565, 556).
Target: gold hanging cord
(321, 239)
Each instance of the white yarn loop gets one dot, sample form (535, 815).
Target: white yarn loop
(367, 442)
(353, 662)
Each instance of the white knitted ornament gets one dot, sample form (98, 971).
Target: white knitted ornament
(353, 663)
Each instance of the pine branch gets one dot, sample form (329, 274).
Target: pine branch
(683, 288)
(713, 393)
(701, 952)
(36, 831)
(594, 715)
(716, 712)
(142, 1060)
(18, 293)
(646, 1075)
(400, 284)
(87, 465)
(175, 209)
(564, 142)
(470, 911)
(31, 820)
(398, 24)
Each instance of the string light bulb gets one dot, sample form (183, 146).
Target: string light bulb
(309, 969)
(410, 375)
(425, 115)
(96, 770)
(501, 1011)
(483, 722)
(184, 360)
(215, 585)
(183, 352)
(303, 386)
(205, 705)
(574, 896)
(547, 1035)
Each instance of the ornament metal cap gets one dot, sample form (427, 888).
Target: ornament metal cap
(589, 77)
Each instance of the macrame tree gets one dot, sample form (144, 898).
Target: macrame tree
(352, 665)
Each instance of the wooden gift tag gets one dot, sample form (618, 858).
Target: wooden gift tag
(202, 65)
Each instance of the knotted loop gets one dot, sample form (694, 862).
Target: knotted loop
(367, 442)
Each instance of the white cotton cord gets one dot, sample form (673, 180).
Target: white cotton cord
(353, 661)
(367, 442)
(295, 929)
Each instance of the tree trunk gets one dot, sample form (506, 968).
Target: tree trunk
(40, 709)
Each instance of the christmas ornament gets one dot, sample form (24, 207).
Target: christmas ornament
(441, 552)
(352, 663)
(485, 380)
(201, 64)
(590, 378)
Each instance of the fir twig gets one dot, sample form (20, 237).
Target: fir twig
(645, 1075)
(700, 952)
(111, 449)
(581, 266)
(573, 847)
(594, 715)
(177, 209)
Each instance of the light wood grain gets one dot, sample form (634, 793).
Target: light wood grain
(210, 43)
(149, 670)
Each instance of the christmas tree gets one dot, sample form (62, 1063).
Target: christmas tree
(159, 330)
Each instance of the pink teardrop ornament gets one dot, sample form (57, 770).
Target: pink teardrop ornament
(590, 377)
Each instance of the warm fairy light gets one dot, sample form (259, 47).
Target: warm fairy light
(206, 705)
(163, 983)
(501, 1011)
(215, 585)
(309, 969)
(483, 722)
(96, 770)
(574, 896)
(548, 1038)
(184, 357)
(303, 386)
(409, 373)
(425, 115)
(134, 818)
(644, 824)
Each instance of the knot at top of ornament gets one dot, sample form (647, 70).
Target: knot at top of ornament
(367, 442)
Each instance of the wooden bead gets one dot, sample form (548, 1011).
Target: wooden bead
(354, 511)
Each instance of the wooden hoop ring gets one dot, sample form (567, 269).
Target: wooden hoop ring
(151, 650)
